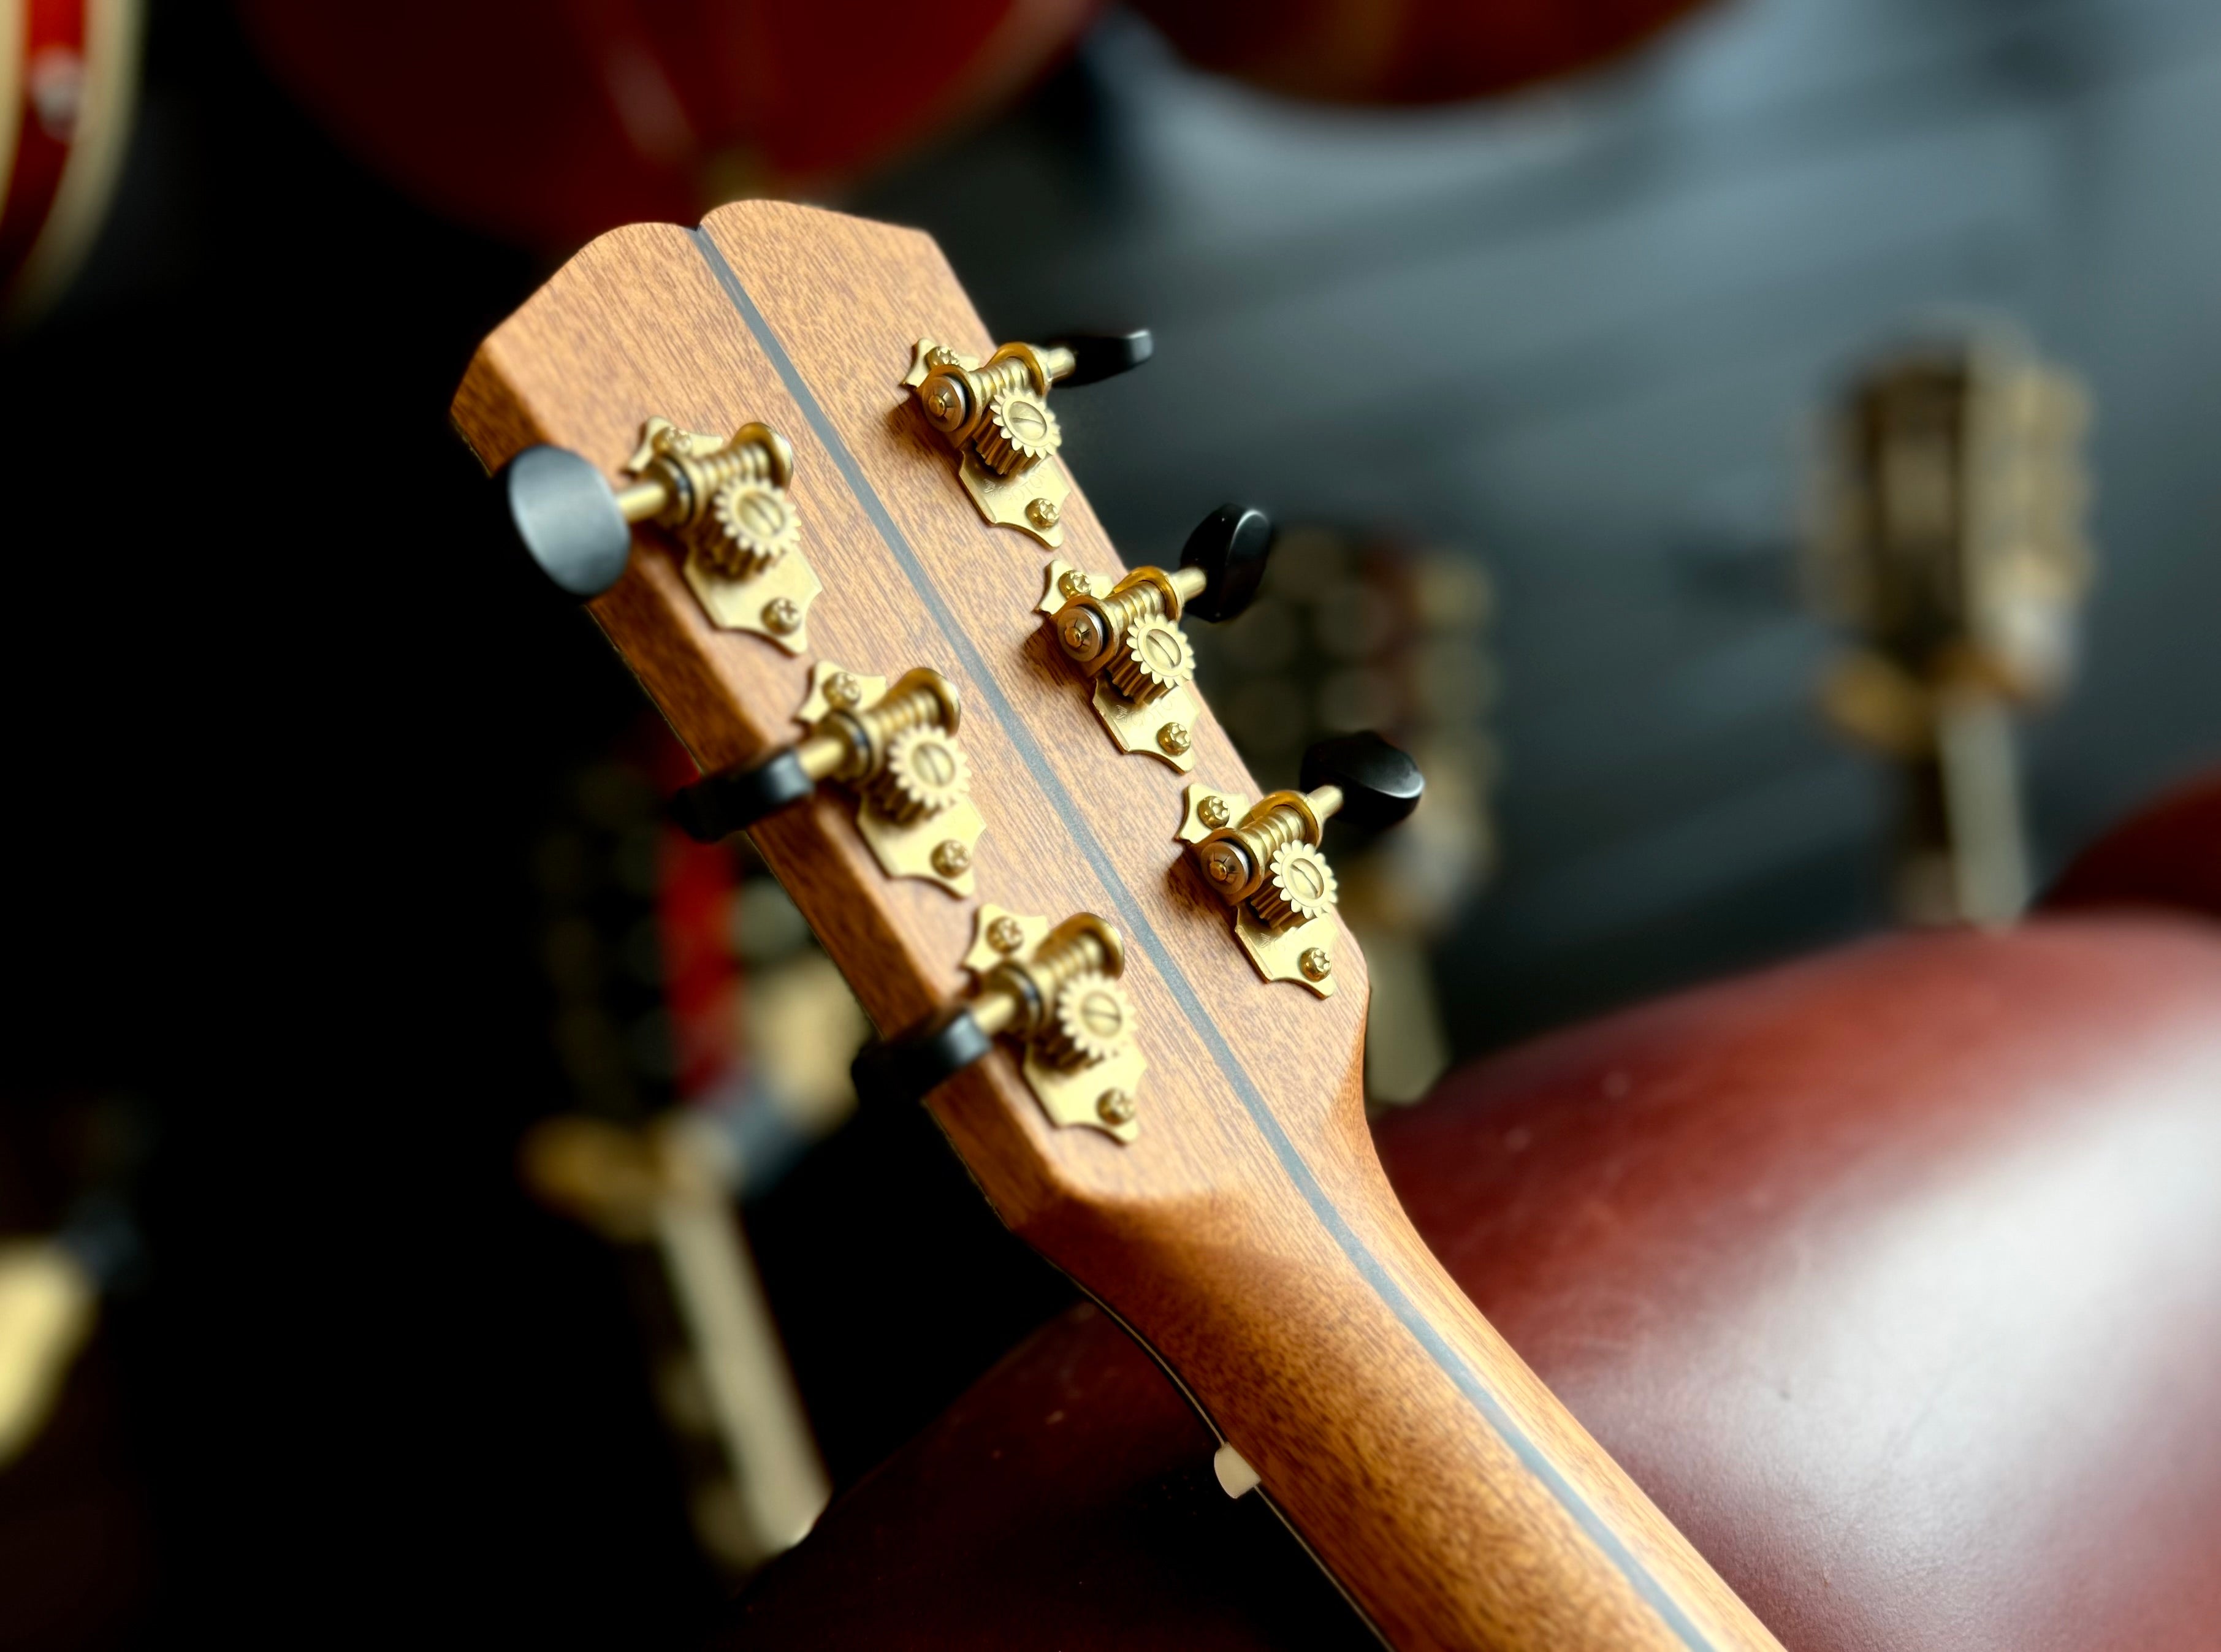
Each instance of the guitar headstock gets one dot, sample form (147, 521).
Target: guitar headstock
(1179, 1120)
(844, 414)
(1950, 529)
(1949, 538)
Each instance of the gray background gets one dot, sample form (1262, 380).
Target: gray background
(1582, 333)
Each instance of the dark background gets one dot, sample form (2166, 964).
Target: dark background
(287, 732)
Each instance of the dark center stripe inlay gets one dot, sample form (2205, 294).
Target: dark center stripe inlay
(1076, 824)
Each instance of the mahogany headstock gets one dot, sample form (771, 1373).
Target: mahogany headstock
(805, 321)
(1246, 1231)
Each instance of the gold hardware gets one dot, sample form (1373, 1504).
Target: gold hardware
(1951, 538)
(896, 748)
(997, 416)
(1129, 640)
(1056, 991)
(1264, 860)
(724, 498)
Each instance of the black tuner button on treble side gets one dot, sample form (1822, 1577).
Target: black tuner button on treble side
(1097, 356)
(717, 806)
(1230, 545)
(910, 1066)
(561, 510)
(1381, 785)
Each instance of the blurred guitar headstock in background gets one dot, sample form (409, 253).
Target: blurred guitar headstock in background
(1949, 540)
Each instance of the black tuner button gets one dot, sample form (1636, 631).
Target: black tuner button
(564, 514)
(1379, 784)
(1097, 356)
(1230, 545)
(717, 806)
(909, 1067)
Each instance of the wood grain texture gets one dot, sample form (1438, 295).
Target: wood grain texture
(1248, 1236)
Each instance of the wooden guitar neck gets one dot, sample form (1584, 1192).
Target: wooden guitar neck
(1245, 1234)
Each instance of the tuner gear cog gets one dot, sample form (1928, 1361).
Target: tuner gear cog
(1155, 659)
(1087, 1023)
(1298, 886)
(925, 773)
(751, 524)
(1019, 430)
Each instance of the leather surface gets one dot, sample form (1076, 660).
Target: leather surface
(2167, 854)
(1894, 1277)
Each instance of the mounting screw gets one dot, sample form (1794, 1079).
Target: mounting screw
(1004, 934)
(1082, 636)
(842, 691)
(1315, 964)
(1174, 737)
(944, 403)
(782, 615)
(951, 859)
(1213, 812)
(1115, 1107)
(1042, 513)
(1072, 583)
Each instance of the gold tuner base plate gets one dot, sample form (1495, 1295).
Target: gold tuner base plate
(774, 604)
(1068, 1098)
(1075, 1098)
(1281, 955)
(1022, 500)
(1165, 727)
(1032, 501)
(921, 849)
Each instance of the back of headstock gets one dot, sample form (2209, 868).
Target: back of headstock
(1241, 1225)
(806, 322)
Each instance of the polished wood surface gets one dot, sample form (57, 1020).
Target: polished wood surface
(1249, 1237)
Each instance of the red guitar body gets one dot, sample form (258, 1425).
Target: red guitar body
(1893, 1276)
(548, 124)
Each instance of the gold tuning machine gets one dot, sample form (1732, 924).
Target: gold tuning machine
(1127, 636)
(723, 498)
(995, 414)
(896, 748)
(1054, 992)
(1265, 859)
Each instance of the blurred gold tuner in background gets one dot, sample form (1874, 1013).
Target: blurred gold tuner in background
(1948, 538)
(49, 1301)
(669, 1185)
